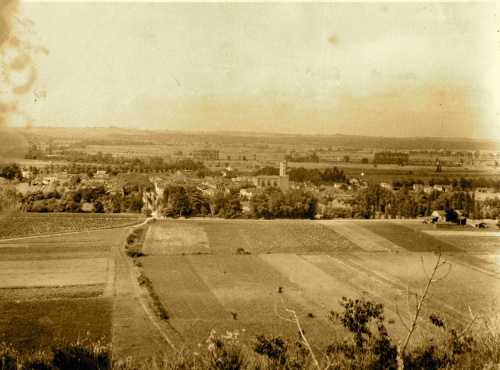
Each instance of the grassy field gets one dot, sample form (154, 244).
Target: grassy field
(205, 292)
(205, 284)
(58, 287)
(20, 274)
(33, 325)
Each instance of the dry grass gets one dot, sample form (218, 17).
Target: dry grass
(33, 325)
(65, 292)
(53, 273)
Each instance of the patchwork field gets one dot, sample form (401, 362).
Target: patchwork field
(228, 274)
(233, 274)
(58, 287)
(223, 237)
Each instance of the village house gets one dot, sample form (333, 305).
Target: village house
(443, 188)
(249, 193)
(429, 189)
(386, 186)
(339, 185)
(418, 188)
(101, 175)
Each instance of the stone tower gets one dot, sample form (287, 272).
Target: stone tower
(283, 168)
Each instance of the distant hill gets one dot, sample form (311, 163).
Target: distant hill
(120, 136)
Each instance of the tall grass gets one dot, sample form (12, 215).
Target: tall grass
(479, 350)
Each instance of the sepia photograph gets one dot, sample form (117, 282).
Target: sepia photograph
(249, 185)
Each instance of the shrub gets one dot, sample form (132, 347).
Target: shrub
(274, 348)
(8, 357)
(370, 345)
(78, 357)
(224, 352)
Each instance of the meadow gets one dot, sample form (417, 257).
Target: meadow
(59, 287)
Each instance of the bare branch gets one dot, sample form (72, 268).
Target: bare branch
(473, 318)
(423, 267)
(281, 317)
(422, 302)
(296, 321)
(401, 319)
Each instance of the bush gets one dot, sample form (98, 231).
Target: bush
(82, 355)
(224, 352)
(361, 317)
(77, 357)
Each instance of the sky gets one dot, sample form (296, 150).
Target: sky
(377, 69)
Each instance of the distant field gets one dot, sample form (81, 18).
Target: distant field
(476, 243)
(409, 237)
(16, 226)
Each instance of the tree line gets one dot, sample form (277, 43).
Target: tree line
(375, 201)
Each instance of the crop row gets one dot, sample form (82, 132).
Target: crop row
(270, 237)
(25, 226)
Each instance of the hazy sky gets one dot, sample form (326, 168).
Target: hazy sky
(386, 69)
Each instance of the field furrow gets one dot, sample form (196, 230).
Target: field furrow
(410, 239)
(181, 290)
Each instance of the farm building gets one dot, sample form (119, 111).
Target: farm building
(443, 188)
(455, 217)
(438, 216)
(478, 225)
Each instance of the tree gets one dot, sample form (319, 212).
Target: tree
(364, 160)
(98, 207)
(11, 171)
(346, 158)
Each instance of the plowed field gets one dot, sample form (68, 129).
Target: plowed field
(203, 279)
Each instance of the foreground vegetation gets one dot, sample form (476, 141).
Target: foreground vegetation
(368, 347)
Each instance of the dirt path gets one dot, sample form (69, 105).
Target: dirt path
(136, 331)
